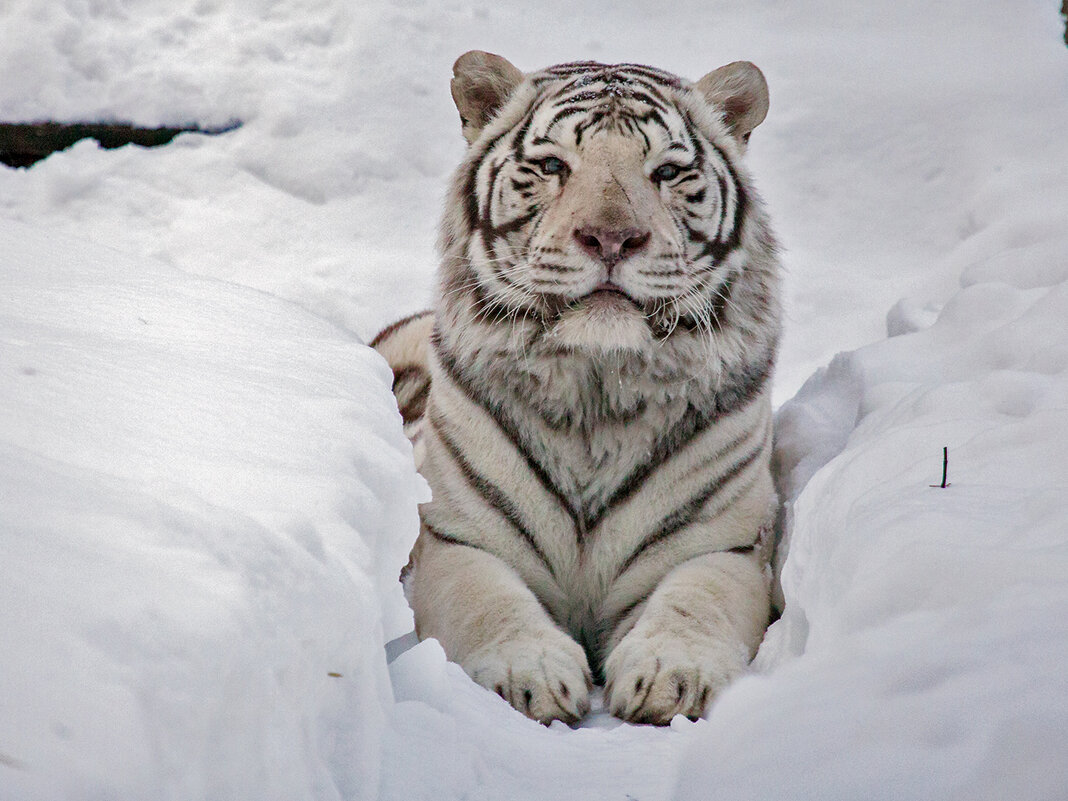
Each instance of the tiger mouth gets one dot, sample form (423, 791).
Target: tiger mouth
(608, 293)
(608, 288)
(605, 297)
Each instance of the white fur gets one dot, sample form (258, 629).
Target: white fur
(536, 419)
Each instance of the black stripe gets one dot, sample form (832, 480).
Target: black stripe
(507, 427)
(662, 273)
(741, 208)
(570, 68)
(684, 432)
(485, 217)
(652, 73)
(710, 244)
(491, 494)
(557, 268)
(694, 234)
(647, 99)
(745, 383)
(547, 282)
(602, 630)
(470, 193)
(514, 224)
(408, 371)
(653, 116)
(656, 89)
(486, 229)
(688, 512)
(581, 97)
(521, 131)
(631, 125)
(450, 539)
(569, 111)
(742, 549)
(392, 328)
(594, 118)
(720, 248)
(693, 422)
(483, 220)
(723, 194)
(624, 613)
(415, 405)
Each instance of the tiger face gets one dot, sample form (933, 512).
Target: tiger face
(603, 203)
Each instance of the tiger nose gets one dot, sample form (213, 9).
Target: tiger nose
(611, 246)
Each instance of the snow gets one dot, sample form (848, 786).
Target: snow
(206, 495)
(202, 490)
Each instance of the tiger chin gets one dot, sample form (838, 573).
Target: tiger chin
(589, 398)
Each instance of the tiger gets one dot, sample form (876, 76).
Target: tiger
(589, 396)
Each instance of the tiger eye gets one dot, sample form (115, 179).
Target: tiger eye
(666, 172)
(552, 166)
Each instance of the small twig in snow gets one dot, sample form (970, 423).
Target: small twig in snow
(945, 469)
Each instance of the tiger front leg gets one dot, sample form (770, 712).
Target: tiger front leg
(490, 623)
(699, 630)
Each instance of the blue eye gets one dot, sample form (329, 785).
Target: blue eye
(552, 166)
(666, 172)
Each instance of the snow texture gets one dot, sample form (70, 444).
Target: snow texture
(206, 497)
(206, 503)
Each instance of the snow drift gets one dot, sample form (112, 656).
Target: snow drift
(201, 485)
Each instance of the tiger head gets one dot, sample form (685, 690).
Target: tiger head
(605, 207)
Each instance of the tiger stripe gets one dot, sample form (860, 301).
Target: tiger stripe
(494, 497)
(595, 465)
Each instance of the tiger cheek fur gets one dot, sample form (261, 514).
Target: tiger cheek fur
(589, 398)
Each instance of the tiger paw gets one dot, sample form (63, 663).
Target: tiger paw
(653, 675)
(543, 674)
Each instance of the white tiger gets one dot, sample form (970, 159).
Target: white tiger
(590, 396)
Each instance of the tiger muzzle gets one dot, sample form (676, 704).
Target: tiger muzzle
(611, 246)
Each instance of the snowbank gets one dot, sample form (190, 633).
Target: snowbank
(206, 502)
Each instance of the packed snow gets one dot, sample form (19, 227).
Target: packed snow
(202, 486)
(206, 497)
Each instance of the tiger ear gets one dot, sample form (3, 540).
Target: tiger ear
(481, 84)
(741, 93)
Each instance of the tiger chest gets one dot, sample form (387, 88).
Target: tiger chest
(612, 428)
(592, 470)
(589, 468)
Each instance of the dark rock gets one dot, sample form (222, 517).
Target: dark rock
(22, 144)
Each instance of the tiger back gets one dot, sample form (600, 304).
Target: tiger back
(590, 396)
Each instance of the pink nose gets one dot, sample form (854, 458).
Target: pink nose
(611, 246)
